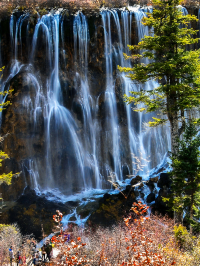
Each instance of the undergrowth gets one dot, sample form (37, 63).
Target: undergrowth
(10, 236)
(139, 241)
(7, 7)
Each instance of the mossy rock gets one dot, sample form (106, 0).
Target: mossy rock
(31, 211)
(112, 209)
(42, 12)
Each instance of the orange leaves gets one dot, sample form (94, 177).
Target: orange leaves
(142, 250)
(139, 208)
(58, 217)
(72, 251)
(54, 239)
(136, 243)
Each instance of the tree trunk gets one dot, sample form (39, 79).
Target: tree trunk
(173, 119)
(174, 134)
(191, 213)
(191, 205)
(178, 216)
(172, 114)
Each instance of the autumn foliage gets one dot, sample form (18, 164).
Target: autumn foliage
(64, 3)
(10, 236)
(138, 241)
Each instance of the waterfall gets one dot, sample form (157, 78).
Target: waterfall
(148, 141)
(88, 104)
(111, 126)
(62, 143)
(79, 132)
(142, 142)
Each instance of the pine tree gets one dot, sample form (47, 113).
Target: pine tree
(169, 61)
(185, 188)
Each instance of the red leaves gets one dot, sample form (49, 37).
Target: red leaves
(139, 208)
(72, 252)
(54, 239)
(58, 217)
(136, 244)
(142, 250)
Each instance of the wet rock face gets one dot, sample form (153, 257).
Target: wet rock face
(136, 180)
(30, 211)
(13, 191)
(164, 183)
(34, 124)
(150, 197)
(27, 124)
(112, 208)
(164, 180)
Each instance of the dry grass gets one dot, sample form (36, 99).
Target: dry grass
(10, 236)
(139, 241)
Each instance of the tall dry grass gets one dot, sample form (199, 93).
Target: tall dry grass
(10, 236)
(138, 241)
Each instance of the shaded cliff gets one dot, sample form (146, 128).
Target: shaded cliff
(28, 66)
(69, 128)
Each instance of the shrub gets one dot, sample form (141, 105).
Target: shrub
(10, 236)
(138, 241)
(181, 234)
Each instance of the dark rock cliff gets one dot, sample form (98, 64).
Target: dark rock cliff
(26, 140)
(40, 142)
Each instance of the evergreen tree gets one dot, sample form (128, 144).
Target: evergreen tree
(185, 188)
(170, 62)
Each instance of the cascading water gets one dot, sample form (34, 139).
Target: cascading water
(111, 125)
(61, 139)
(79, 129)
(143, 143)
(150, 141)
(90, 128)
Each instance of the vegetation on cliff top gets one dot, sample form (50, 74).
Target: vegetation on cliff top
(9, 6)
